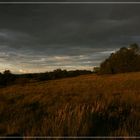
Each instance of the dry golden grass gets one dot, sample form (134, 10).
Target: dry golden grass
(88, 105)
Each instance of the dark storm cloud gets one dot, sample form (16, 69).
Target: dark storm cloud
(39, 37)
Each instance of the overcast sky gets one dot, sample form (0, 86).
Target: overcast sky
(44, 37)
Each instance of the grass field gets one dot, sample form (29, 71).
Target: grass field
(88, 105)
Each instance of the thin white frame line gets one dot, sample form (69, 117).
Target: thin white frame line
(69, 2)
(69, 137)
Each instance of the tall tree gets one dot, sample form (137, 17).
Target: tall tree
(124, 60)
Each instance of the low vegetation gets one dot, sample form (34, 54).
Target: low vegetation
(88, 105)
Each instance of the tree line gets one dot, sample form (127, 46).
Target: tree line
(7, 78)
(126, 59)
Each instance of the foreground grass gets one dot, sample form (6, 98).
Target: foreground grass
(83, 106)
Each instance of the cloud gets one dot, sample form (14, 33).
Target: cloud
(23, 62)
(45, 37)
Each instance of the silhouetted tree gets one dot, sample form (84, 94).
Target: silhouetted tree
(96, 69)
(7, 78)
(7, 72)
(124, 60)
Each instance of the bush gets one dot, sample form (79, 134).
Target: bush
(7, 78)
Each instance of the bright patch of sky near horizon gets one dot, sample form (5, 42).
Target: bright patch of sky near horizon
(44, 37)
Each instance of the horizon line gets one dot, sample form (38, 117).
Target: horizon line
(69, 2)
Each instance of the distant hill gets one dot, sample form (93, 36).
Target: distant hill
(7, 78)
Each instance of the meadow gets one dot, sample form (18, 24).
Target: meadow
(88, 105)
